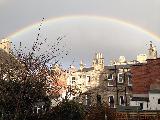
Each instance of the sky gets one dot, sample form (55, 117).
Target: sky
(85, 35)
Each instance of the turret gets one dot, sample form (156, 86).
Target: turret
(152, 51)
(98, 62)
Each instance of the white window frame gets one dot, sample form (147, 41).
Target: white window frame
(119, 78)
(129, 80)
(87, 99)
(109, 100)
(110, 84)
(111, 78)
(88, 80)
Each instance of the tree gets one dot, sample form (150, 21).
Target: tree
(23, 78)
(68, 110)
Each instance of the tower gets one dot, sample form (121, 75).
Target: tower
(152, 51)
(98, 62)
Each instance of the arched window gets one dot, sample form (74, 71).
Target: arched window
(159, 101)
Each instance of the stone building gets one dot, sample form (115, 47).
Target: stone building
(83, 79)
(111, 84)
(5, 44)
(56, 81)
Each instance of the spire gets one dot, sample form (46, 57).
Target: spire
(81, 65)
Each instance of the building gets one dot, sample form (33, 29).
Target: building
(146, 82)
(111, 83)
(83, 79)
(5, 44)
(56, 81)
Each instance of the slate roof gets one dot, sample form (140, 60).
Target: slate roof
(128, 66)
(118, 67)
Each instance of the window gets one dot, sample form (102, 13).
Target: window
(88, 81)
(87, 99)
(110, 83)
(73, 80)
(111, 101)
(84, 76)
(80, 76)
(110, 76)
(120, 77)
(99, 99)
(141, 106)
(88, 78)
(159, 101)
(121, 100)
(129, 80)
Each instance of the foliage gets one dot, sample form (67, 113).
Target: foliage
(23, 78)
(69, 110)
(95, 112)
(18, 98)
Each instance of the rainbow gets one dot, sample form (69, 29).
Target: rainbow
(108, 19)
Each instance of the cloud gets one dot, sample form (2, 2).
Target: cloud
(3, 2)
